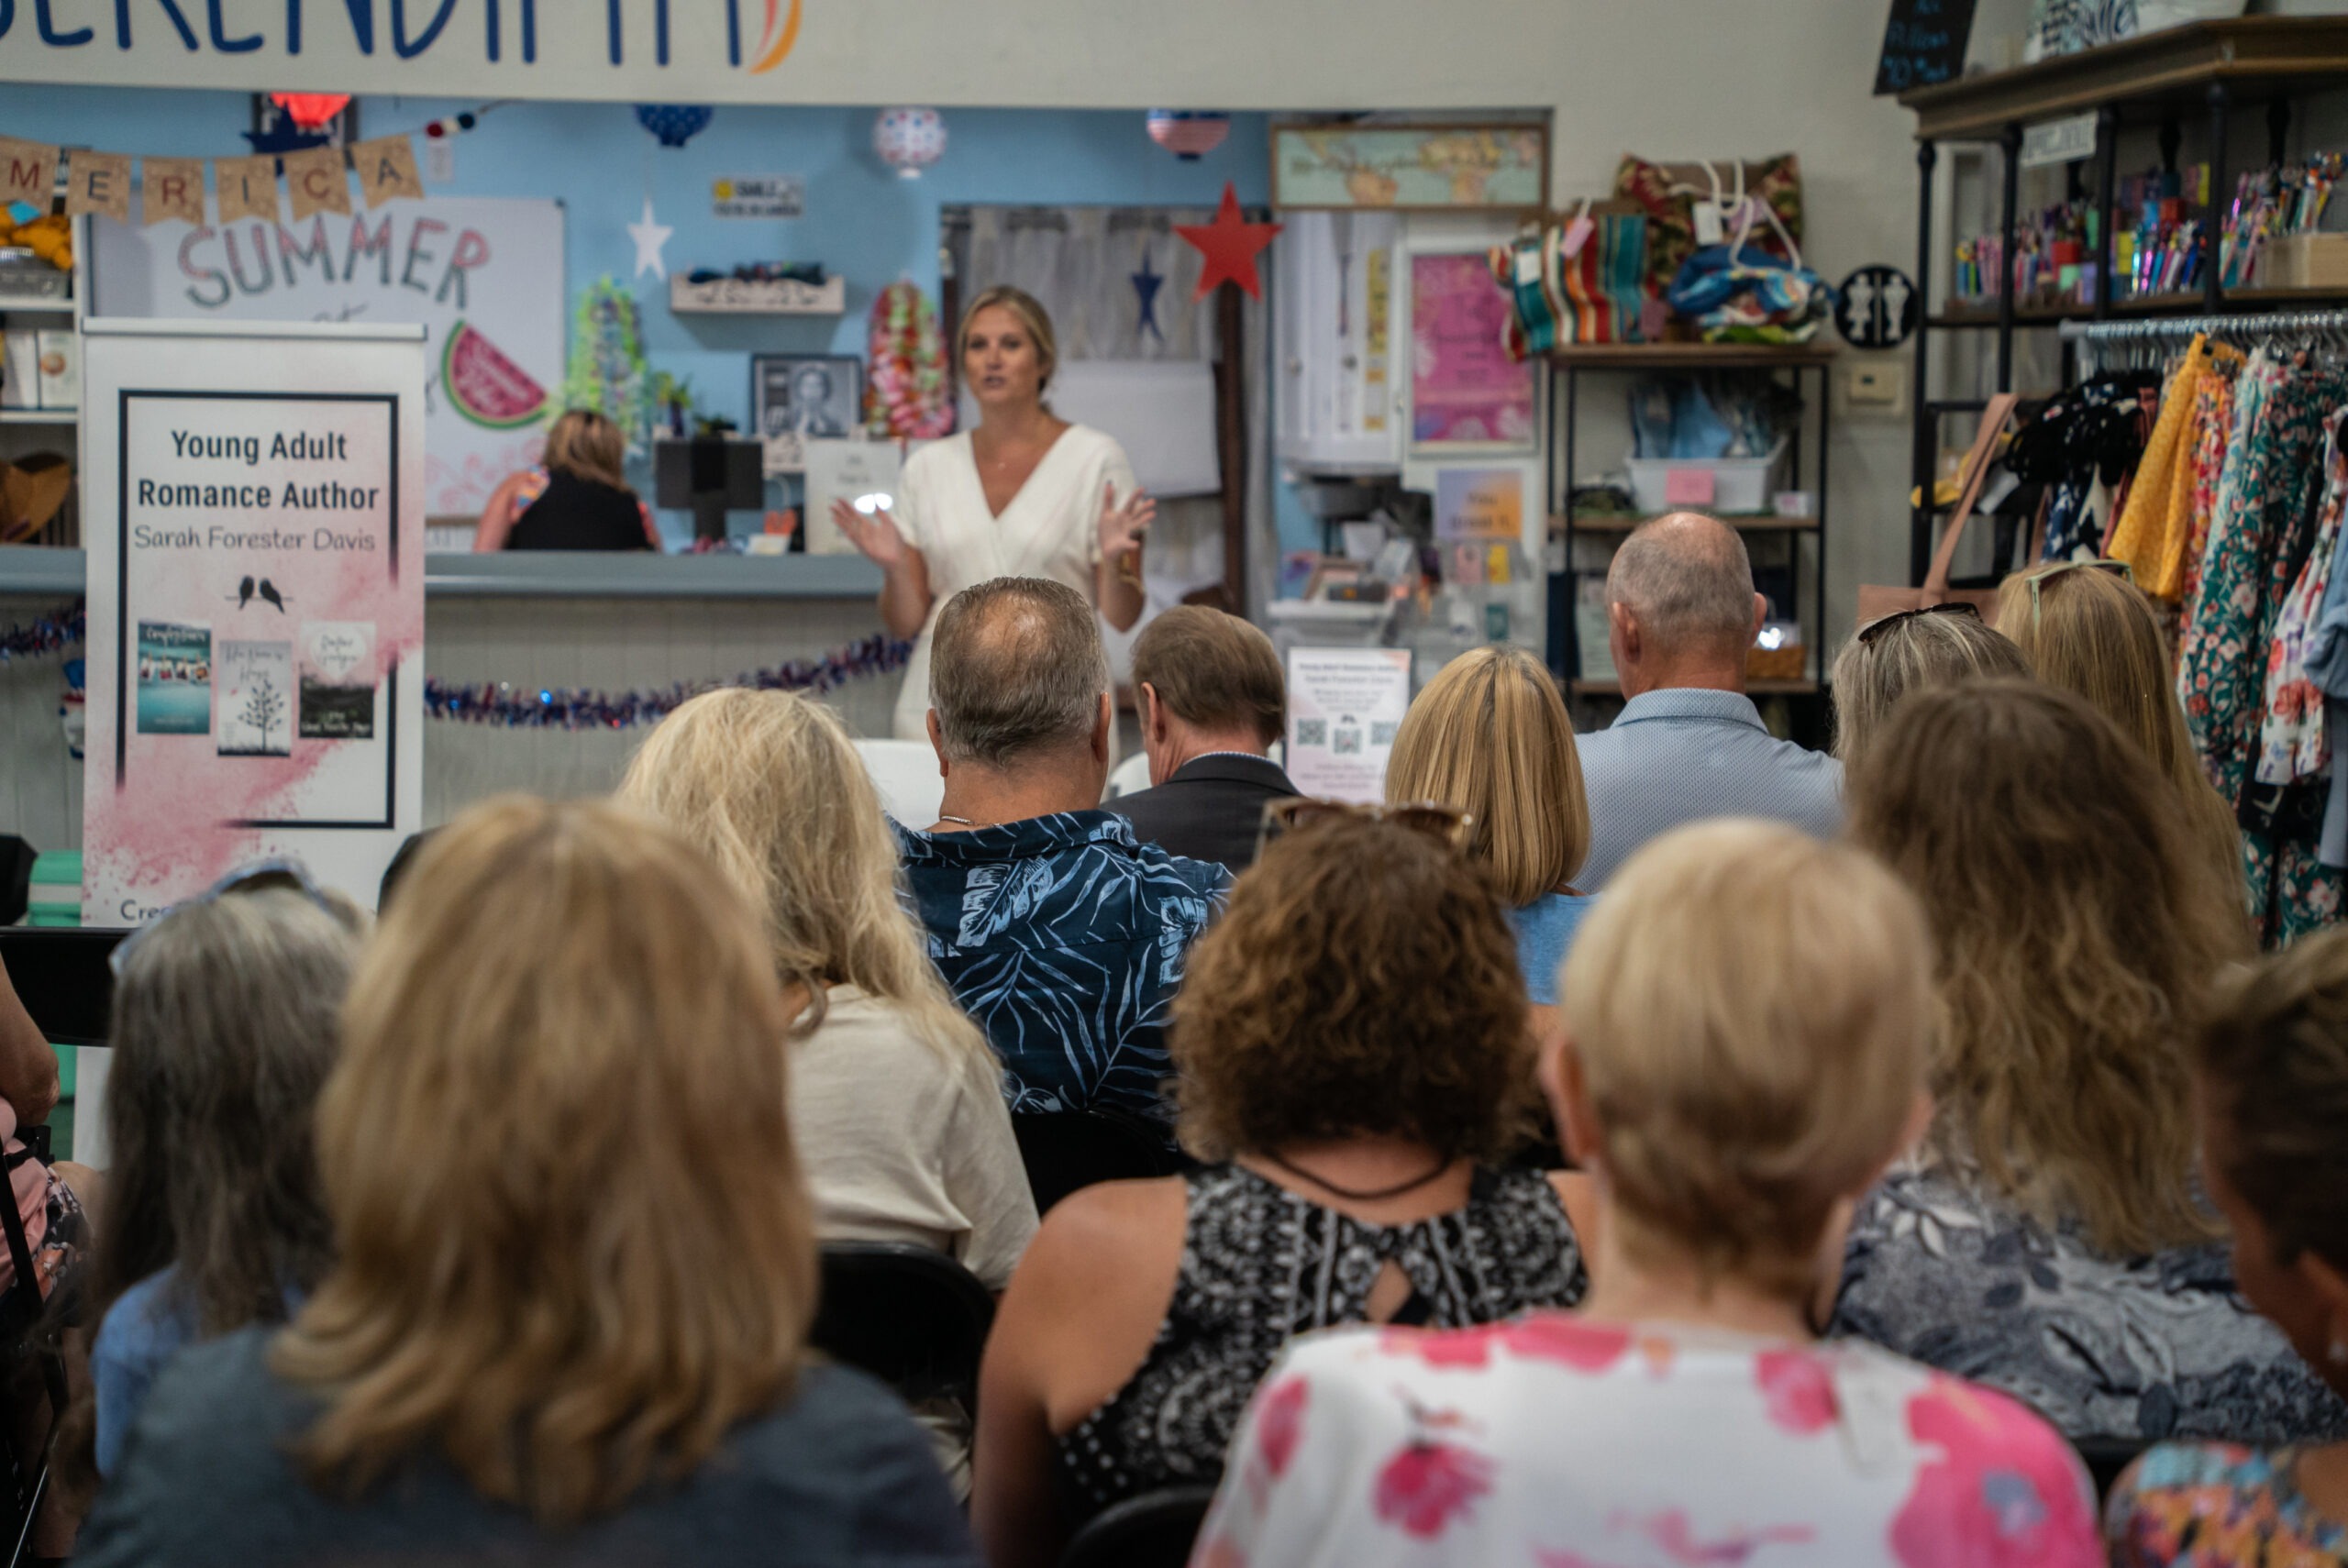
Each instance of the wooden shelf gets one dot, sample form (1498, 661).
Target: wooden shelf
(2041, 313)
(2167, 72)
(739, 296)
(1689, 356)
(35, 305)
(1744, 522)
(1756, 688)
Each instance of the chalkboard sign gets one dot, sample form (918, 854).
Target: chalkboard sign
(1923, 43)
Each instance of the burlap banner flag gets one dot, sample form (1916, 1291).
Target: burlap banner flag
(98, 182)
(171, 188)
(317, 181)
(386, 169)
(28, 173)
(247, 188)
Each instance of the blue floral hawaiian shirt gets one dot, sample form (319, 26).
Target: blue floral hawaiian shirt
(1064, 937)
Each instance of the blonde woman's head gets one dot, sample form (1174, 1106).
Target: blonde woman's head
(586, 445)
(769, 786)
(1006, 348)
(575, 1245)
(1747, 1012)
(2093, 631)
(2078, 937)
(1489, 735)
(1911, 654)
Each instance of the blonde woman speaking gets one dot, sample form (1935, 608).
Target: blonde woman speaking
(1026, 495)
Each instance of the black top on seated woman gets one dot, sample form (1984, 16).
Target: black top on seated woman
(576, 499)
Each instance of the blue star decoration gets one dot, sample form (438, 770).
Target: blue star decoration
(1145, 283)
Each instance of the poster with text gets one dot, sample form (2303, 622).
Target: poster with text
(483, 277)
(1466, 392)
(1345, 706)
(254, 523)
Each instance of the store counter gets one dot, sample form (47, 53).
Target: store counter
(529, 620)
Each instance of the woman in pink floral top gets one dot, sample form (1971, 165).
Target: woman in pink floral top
(1741, 1053)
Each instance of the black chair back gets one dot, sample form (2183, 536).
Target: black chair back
(913, 1318)
(1069, 1149)
(63, 977)
(1156, 1529)
(2105, 1458)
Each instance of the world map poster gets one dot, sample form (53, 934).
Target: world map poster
(1424, 168)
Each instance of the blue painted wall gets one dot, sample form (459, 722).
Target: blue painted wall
(862, 220)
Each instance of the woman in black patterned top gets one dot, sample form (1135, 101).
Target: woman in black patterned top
(1353, 1048)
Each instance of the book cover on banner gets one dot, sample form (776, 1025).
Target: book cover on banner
(256, 699)
(338, 680)
(174, 678)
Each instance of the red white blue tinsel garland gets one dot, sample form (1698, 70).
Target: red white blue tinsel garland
(60, 628)
(551, 708)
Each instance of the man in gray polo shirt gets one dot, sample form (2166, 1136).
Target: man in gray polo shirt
(1688, 745)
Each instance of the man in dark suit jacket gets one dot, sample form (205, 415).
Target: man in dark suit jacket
(1212, 699)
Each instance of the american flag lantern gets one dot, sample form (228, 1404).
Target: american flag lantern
(311, 110)
(909, 140)
(1189, 134)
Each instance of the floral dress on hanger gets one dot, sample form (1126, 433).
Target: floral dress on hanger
(2292, 745)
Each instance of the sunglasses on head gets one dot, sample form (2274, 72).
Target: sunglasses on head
(1447, 826)
(258, 877)
(1874, 629)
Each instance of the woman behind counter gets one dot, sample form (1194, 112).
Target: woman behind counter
(1026, 495)
(576, 499)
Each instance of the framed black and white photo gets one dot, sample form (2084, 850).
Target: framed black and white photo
(798, 397)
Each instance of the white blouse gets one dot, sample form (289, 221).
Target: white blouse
(1051, 528)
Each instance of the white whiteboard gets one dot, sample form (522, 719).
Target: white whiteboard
(492, 264)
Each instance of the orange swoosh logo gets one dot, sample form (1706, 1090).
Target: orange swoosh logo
(773, 57)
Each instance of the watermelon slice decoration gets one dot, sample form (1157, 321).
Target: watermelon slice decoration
(485, 385)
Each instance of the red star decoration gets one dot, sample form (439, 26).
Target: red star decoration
(1229, 245)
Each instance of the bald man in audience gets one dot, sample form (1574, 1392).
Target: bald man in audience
(1681, 614)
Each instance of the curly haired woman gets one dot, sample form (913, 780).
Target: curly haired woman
(1353, 1047)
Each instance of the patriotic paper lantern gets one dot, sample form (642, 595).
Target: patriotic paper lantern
(909, 140)
(674, 124)
(311, 110)
(1189, 134)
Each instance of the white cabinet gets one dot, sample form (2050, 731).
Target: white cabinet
(1339, 313)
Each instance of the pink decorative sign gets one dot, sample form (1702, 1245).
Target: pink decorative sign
(1465, 390)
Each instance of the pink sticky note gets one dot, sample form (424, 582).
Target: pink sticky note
(1577, 235)
(1688, 487)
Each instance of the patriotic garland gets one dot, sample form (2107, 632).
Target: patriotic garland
(500, 703)
(59, 628)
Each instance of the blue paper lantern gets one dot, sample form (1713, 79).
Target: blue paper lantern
(674, 124)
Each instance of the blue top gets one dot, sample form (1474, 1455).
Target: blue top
(1680, 755)
(1544, 932)
(1063, 936)
(145, 1328)
(838, 1476)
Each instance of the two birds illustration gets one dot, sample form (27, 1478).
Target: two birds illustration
(268, 592)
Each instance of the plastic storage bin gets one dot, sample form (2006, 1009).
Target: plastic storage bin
(1739, 484)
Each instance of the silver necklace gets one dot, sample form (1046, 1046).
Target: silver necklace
(947, 817)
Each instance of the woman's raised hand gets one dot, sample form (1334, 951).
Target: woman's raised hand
(874, 534)
(1123, 528)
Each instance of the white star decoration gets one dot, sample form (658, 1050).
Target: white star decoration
(649, 237)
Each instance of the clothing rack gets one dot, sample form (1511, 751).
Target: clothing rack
(2098, 335)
